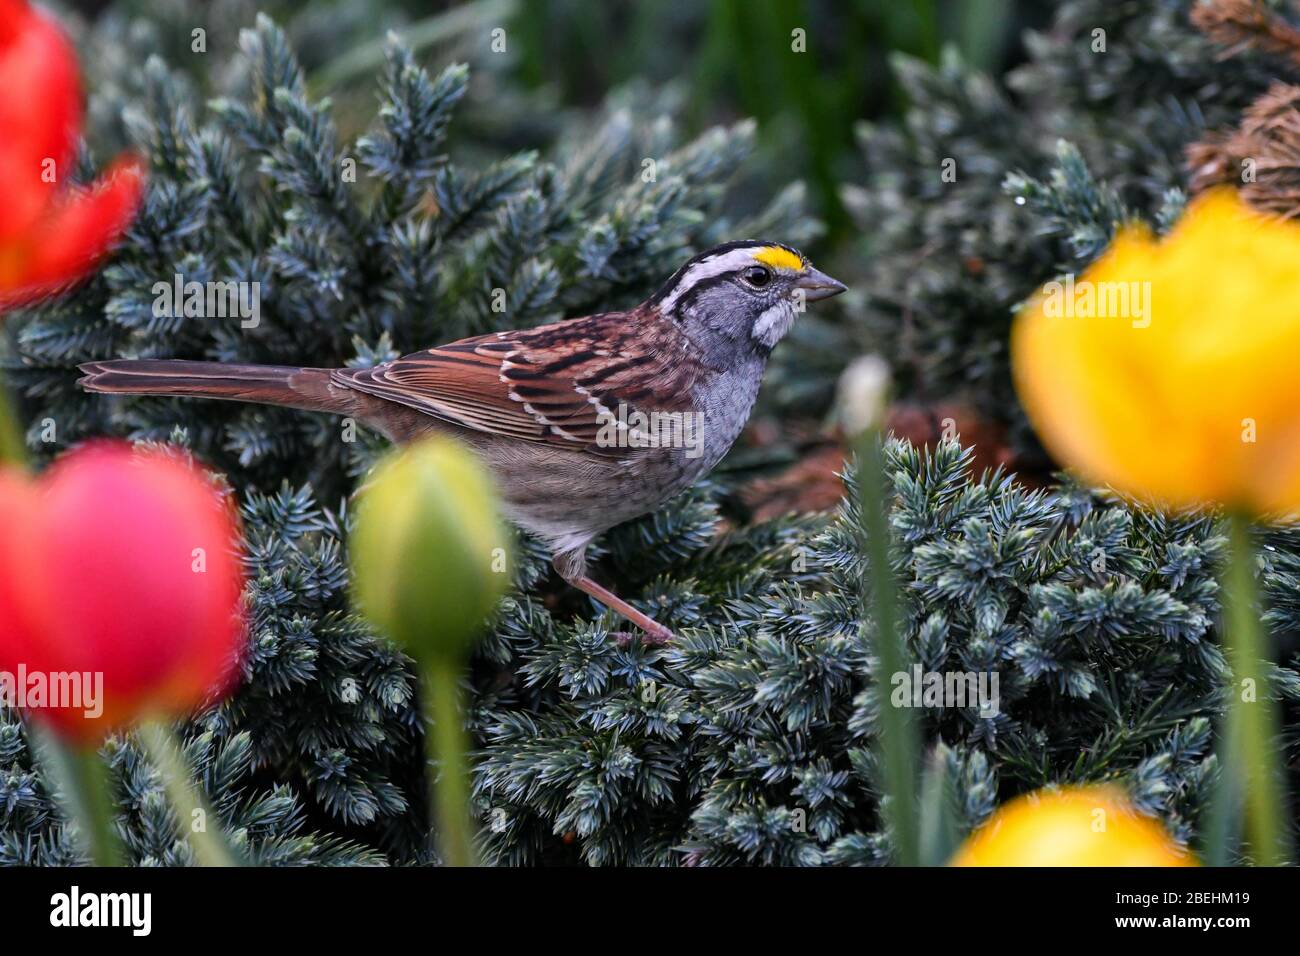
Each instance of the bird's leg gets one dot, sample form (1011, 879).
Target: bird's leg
(572, 566)
(655, 632)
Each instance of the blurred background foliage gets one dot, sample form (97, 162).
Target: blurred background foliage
(732, 56)
(729, 58)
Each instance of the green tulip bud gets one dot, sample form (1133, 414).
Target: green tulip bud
(430, 554)
(430, 558)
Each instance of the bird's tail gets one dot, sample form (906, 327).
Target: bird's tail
(305, 388)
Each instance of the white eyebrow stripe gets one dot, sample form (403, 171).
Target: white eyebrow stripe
(729, 261)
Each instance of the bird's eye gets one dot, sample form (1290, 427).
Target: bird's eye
(757, 276)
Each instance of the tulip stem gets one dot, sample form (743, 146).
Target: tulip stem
(446, 748)
(13, 450)
(164, 751)
(97, 810)
(1250, 774)
(83, 790)
(899, 743)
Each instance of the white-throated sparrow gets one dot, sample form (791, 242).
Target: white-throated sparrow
(585, 423)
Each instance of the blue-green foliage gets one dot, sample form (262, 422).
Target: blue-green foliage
(750, 740)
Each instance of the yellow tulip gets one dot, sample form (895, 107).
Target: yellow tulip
(1168, 370)
(1086, 826)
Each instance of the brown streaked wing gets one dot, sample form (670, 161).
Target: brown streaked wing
(547, 384)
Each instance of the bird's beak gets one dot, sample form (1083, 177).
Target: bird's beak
(818, 285)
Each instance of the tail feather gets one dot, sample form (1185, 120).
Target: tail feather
(305, 388)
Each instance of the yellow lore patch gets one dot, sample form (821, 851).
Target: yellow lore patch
(779, 258)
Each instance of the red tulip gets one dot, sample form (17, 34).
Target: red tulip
(119, 564)
(49, 236)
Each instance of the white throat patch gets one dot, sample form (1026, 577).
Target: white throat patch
(775, 321)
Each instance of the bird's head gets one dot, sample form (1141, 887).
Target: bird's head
(744, 294)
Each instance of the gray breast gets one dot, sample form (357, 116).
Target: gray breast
(719, 410)
(565, 495)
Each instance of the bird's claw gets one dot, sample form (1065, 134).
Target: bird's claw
(651, 638)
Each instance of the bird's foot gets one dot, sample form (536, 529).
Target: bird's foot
(657, 637)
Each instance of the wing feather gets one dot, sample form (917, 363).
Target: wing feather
(554, 384)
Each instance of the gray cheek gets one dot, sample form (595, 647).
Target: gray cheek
(723, 313)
